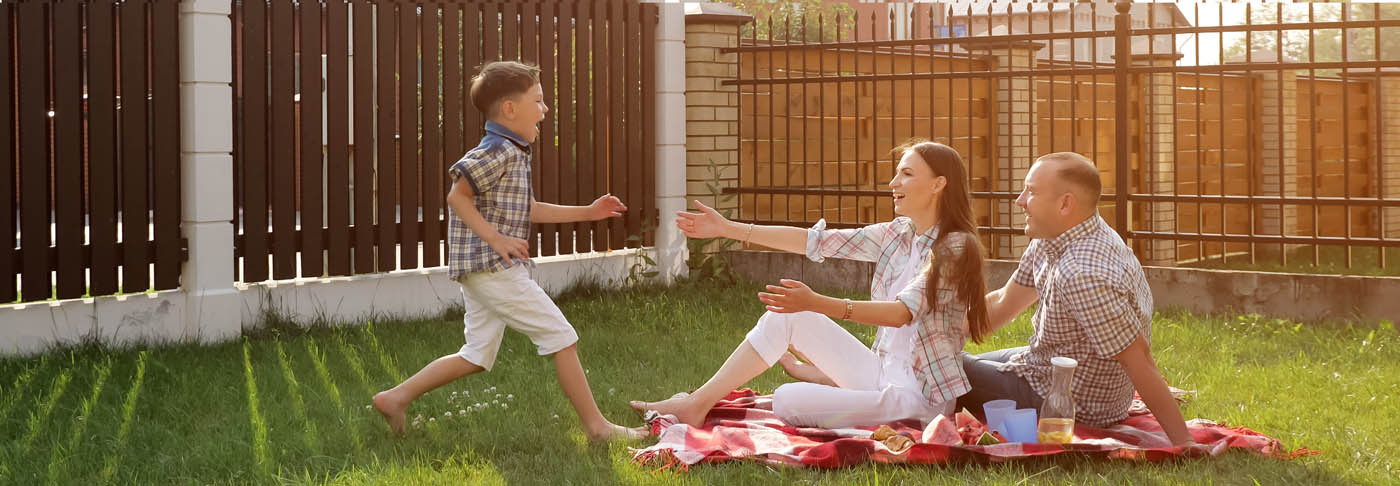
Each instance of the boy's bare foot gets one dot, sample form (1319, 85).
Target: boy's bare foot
(686, 410)
(392, 410)
(610, 431)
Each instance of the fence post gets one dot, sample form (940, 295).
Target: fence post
(1276, 167)
(1122, 57)
(670, 138)
(1015, 121)
(1159, 143)
(212, 304)
(711, 108)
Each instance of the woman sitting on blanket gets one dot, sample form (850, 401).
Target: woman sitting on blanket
(926, 299)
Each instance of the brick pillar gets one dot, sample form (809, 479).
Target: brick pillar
(711, 108)
(1276, 168)
(1159, 154)
(1386, 116)
(1016, 117)
(1387, 112)
(212, 302)
(669, 71)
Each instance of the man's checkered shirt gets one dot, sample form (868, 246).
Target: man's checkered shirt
(1094, 301)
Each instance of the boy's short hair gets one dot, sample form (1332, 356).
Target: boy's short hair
(500, 80)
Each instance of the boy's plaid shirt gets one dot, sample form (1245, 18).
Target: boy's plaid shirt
(498, 170)
(894, 246)
(1094, 301)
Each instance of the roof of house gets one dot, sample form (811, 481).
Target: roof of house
(981, 8)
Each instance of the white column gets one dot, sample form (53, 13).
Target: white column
(212, 304)
(670, 139)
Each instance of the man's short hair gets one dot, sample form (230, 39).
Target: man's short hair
(1079, 173)
(500, 80)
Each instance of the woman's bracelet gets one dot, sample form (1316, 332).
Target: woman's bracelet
(748, 233)
(850, 307)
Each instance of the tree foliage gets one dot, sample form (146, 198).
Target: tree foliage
(798, 20)
(1320, 45)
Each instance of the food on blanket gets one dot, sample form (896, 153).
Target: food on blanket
(969, 428)
(991, 438)
(941, 431)
(899, 443)
(882, 433)
(1055, 431)
(896, 442)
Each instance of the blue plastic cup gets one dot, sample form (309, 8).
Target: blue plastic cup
(1021, 425)
(996, 410)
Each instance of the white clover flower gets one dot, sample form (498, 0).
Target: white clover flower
(495, 401)
(556, 416)
(448, 414)
(510, 397)
(505, 405)
(612, 391)
(367, 407)
(462, 412)
(430, 419)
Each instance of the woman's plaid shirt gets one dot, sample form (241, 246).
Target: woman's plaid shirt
(894, 246)
(498, 170)
(1094, 301)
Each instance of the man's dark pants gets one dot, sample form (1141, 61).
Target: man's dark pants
(989, 384)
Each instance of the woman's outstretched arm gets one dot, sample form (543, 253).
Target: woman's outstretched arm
(708, 223)
(795, 296)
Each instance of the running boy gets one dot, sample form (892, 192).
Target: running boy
(488, 255)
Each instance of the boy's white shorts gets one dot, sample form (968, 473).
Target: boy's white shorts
(509, 298)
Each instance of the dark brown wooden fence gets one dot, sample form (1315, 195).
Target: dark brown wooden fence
(361, 188)
(89, 131)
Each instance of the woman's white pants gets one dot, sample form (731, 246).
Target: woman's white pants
(869, 390)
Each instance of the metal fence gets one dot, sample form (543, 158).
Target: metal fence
(1229, 133)
(89, 158)
(358, 185)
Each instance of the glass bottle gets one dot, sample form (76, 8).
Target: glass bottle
(1057, 412)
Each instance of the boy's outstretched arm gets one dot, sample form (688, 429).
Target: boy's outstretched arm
(460, 199)
(607, 206)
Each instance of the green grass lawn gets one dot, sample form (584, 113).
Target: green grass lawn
(289, 406)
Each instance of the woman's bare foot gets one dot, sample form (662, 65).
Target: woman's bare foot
(392, 410)
(610, 431)
(686, 410)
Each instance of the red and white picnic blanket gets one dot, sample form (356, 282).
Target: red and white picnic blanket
(738, 429)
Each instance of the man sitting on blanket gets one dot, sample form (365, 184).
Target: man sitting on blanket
(1095, 307)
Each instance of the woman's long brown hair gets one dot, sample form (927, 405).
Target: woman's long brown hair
(955, 216)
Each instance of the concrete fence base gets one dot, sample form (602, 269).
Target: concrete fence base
(1301, 297)
(163, 317)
